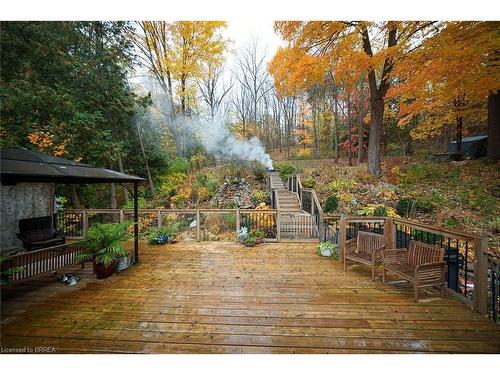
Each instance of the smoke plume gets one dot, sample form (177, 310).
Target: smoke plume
(220, 142)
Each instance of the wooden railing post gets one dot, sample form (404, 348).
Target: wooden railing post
(342, 236)
(480, 297)
(159, 218)
(198, 235)
(122, 216)
(278, 226)
(85, 220)
(321, 228)
(238, 223)
(389, 233)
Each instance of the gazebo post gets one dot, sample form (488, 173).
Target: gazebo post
(136, 224)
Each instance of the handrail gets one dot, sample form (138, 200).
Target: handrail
(437, 230)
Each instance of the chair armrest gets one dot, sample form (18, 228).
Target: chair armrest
(426, 266)
(350, 245)
(377, 253)
(395, 256)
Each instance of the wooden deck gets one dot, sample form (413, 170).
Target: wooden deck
(223, 298)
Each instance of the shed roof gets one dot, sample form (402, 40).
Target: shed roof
(473, 138)
(21, 165)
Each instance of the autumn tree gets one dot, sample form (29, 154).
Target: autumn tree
(178, 55)
(360, 48)
(446, 82)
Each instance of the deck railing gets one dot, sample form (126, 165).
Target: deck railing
(472, 274)
(75, 223)
(38, 262)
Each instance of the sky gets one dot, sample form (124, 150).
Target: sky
(242, 32)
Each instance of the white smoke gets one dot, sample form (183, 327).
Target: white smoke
(214, 135)
(219, 141)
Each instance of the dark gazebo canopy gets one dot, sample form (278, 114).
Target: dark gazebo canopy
(21, 165)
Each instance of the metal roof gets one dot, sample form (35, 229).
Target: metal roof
(21, 165)
(472, 139)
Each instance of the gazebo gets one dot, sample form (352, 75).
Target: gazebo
(20, 166)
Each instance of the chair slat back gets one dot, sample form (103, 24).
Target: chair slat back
(368, 242)
(420, 253)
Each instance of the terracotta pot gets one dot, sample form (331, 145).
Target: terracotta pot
(102, 271)
(249, 244)
(259, 240)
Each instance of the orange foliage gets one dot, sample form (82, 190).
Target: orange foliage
(449, 77)
(45, 142)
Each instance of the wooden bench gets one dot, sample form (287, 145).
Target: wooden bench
(420, 264)
(366, 248)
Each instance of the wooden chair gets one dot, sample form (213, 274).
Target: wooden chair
(366, 248)
(420, 264)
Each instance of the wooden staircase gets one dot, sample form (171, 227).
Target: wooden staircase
(295, 223)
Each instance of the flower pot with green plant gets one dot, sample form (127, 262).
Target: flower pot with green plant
(105, 249)
(250, 241)
(328, 249)
(258, 234)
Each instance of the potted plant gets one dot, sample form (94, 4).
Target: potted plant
(105, 249)
(250, 241)
(242, 234)
(258, 234)
(328, 249)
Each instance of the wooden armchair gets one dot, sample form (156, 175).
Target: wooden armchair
(420, 264)
(366, 248)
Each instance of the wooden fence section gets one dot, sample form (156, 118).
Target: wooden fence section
(297, 225)
(38, 262)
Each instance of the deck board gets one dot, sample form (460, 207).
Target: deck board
(215, 297)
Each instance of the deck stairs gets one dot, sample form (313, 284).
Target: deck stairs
(295, 223)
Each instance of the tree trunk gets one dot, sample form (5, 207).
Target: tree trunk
(460, 123)
(375, 135)
(361, 127)
(336, 131)
(349, 128)
(314, 129)
(75, 200)
(494, 126)
(120, 168)
(150, 180)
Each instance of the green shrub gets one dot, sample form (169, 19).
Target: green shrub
(331, 204)
(405, 206)
(424, 205)
(259, 196)
(285, 169)
(380, 211)
(141, 202)
(259, 172)
(309, 182)
(178, 165)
